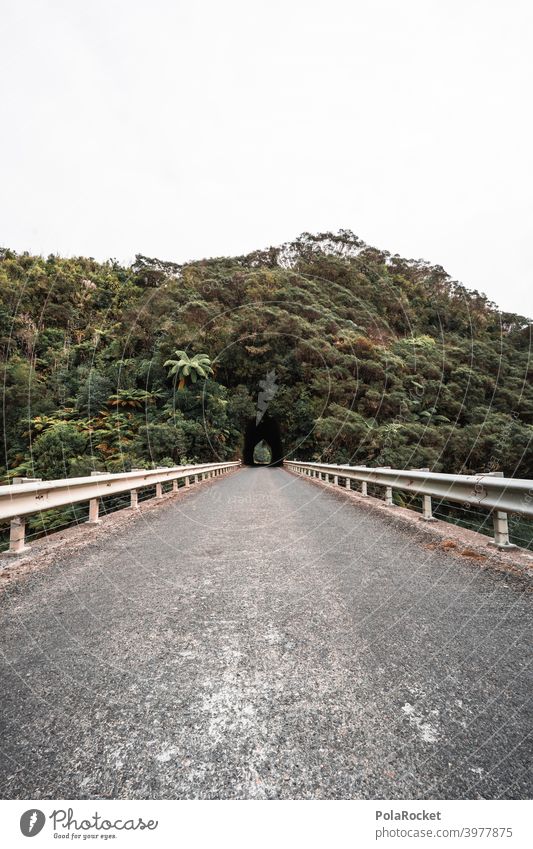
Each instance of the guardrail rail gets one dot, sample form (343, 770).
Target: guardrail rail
(26, 496)
(490, 490)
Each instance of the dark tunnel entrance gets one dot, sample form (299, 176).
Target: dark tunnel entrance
(267, 430)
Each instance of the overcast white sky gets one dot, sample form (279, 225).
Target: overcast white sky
(191, 129)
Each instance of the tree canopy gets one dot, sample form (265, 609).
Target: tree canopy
(377, 360)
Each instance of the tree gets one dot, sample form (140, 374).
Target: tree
(189, 367)
(161, 441)
(57, 451)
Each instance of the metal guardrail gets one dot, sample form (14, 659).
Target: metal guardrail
(501, 496)
(32, 495)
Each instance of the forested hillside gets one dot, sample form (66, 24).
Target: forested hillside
(372, 359)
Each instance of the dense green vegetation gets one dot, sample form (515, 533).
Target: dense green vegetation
(377, 360)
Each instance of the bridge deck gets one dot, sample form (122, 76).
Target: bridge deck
(263, 638)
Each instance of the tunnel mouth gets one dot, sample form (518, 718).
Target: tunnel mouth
(262, 454)
(265, 431)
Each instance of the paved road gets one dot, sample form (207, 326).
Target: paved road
(265, 638)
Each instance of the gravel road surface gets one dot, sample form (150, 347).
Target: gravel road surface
(262, 637)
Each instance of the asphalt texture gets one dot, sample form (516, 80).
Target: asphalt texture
(265, 638)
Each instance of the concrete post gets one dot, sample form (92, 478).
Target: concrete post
(175, 485)
(17, 532)
(364, 488)
(388, 491)
(501, 530)
(134, 499)
(427, 509)
(501, 523)
(335, 480)
(94, 510)
(427, 506)
(187, 481)
(94, 518)
(159, 490)
(347, 483)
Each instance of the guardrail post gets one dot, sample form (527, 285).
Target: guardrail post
(134, 499)
(17, 534)
(500, 522)
(335, 480)
(427, 506)
(427, 509)
(388, 491)
(347, 483)
(159, 490)
(364, 489)
(187, 481)
(94, 510)
(94, 505)
(501, 530)
(175, 486)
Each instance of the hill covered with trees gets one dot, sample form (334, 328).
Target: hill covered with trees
(372, 359)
